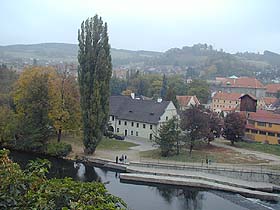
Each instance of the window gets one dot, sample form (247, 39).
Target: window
(262, 132)
(132, 124)
(151, 127)
(131, 132)
(251, 122)
(271, 134)
(136, 133)
(229, 106)
(236, 102)
(261, 123)
(247, 130)
(270, 125)
(137, 125)
(278, 135)
(151, 136)
(230, 102)
(224, 101)
(254, 131)
(118, 130)
(144, 125)
(119, 122)
(166, 117)
(125, 122)
(113, 118)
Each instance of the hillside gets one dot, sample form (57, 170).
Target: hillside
(199, 60)
(56, 52)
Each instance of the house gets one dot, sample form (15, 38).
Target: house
(185, 102)
(263, 126)
(245, 85)
(272, 89)
(130, 116)
(225, 102)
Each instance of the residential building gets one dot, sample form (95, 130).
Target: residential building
(134, 117)
(185, 102)
(266, 103)
(225, 102)
(263, 126)
(243, 85)
(272, 89)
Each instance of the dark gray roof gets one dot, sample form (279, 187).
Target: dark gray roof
(126, 108)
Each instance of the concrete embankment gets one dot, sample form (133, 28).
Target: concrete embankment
(180, 181)
(172, 175)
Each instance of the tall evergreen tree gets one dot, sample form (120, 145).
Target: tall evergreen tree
(163, 89)
(171, 96)
(94, 73)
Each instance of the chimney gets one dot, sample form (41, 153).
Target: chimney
(132, 95)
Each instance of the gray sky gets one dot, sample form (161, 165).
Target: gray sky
(234, 25)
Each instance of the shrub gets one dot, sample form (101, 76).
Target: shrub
(58, 149)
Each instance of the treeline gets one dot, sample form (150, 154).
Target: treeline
(40, 104)
(155, 86)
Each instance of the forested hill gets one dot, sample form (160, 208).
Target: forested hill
(200, 59)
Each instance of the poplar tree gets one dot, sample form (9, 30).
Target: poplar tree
(163, 89)
(94, 73)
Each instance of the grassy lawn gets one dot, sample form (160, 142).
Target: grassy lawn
(112, 144)
(266, 148)
(215, 154)
(105, 144)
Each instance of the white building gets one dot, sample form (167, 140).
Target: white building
(137, 117)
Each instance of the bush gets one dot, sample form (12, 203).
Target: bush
(58, 149)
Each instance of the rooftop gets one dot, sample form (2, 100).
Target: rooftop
(185, 100)
(264, 116)
(272, 88)
(126, 108)
(227, 96)
(245, 82)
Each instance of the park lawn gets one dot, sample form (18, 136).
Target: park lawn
(215, 154)
(266, 148)
(112, 144)
(105, 144)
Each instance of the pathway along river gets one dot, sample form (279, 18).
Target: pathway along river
(149, 197)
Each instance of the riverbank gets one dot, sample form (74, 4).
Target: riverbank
(176, 176)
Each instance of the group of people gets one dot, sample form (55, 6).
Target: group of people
(122, 159)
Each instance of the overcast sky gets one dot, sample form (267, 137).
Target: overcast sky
(234, 25)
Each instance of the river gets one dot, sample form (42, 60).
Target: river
(149, 197)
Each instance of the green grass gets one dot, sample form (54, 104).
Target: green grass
(105, 144)
(215, 154)
(266, 148)
(112, 144)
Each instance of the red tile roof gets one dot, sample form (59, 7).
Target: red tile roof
(269, 100)
(265, 116)
(184, 100)
(227, 96)
(272, 88)
(246, 82)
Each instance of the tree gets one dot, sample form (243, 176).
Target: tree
(30, 189)
(195, 124)
(65, 111)
(8, 125)
(32, 101)
(234, 126)
(200, 89)
(94, 73)
(168, 137)
(163, 90)
(171, 96)
(215, 126)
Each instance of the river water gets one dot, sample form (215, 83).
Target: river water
(149, 197)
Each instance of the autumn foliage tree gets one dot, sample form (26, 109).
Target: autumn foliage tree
(234, 126)
(65, 111)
